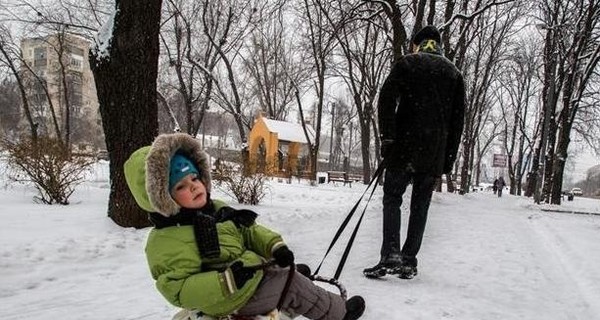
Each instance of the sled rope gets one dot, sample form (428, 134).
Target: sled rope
(338, 233)
(286, 288)
(333, 282)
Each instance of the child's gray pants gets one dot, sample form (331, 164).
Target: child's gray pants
(303, 297)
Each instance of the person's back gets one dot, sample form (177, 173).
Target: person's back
(500, 184)
(421, 108)
(429, 86)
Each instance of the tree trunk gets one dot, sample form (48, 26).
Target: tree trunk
(559, 167)
(562, 131)
(365, 141)
(67, 104)
(534, 174)
(126, 86)
(394, 13)
(468, 144)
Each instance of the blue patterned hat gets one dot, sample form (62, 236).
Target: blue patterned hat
(179, 167)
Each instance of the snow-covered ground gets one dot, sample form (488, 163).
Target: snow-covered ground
(483, 257)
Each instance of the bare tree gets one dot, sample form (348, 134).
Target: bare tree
(517, 85)
(80, 18)
(587, 123)
(274, 64)
(480, 67)
(184, 84)
(59, 43)
(10, 107)
(60, 26)
(362, 46)
(320, 42)
(9, 54)
(413, 15)
(455, 20)
(342, 115)
(581, 56)
(551, 86)
(125, 64)
(35, 83)
(225, 25)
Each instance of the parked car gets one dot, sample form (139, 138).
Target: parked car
(576, 192)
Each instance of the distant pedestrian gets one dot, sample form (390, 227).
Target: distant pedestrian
(421, 109)
(500, 184)
(495, 186)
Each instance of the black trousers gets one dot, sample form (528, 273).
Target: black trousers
(394, 187)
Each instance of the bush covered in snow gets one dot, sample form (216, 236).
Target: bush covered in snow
(48, 164)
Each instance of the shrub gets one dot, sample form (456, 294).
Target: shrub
(246, 188)
(222, 171)
(47, 163)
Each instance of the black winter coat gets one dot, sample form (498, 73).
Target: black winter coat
(421, 108)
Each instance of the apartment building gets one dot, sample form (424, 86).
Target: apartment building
(57, 73)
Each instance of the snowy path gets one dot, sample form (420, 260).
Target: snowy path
(571, 256)
(482, 257)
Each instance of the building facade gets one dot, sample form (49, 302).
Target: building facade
(61, 89)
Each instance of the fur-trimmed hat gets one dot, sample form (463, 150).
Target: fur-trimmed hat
(147, 171)
(428, 32)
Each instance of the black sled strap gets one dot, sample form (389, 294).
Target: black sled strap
(286, 288)
(338, 233)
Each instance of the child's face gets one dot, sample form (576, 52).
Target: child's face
(189, 192)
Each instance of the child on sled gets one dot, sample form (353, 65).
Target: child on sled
(206, 256)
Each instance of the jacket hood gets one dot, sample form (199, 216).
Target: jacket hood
(147, 171)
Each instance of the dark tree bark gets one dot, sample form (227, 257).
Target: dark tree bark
(126, 85)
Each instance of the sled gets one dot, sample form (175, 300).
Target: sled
(274, 314)
(194, 315)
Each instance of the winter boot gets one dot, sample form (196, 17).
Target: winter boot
(408, 269)
(377, 271)
(407, 272)
(355, 307)
(304, 270)
(388, 265)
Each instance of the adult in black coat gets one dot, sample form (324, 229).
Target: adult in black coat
(421, 111)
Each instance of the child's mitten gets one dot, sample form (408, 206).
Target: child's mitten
(283, 257)
(242, 217)
(241, 274)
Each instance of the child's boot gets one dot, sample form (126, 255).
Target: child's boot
(355, 307)
(303, 269)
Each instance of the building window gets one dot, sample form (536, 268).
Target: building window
(74, 83)
(75, 63)
(75, 51)
(40, 57)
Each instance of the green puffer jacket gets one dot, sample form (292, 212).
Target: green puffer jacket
(175, 265)
(182, 276)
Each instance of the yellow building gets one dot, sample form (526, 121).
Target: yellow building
(275, 147)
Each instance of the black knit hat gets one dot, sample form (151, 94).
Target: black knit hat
(428, 32)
